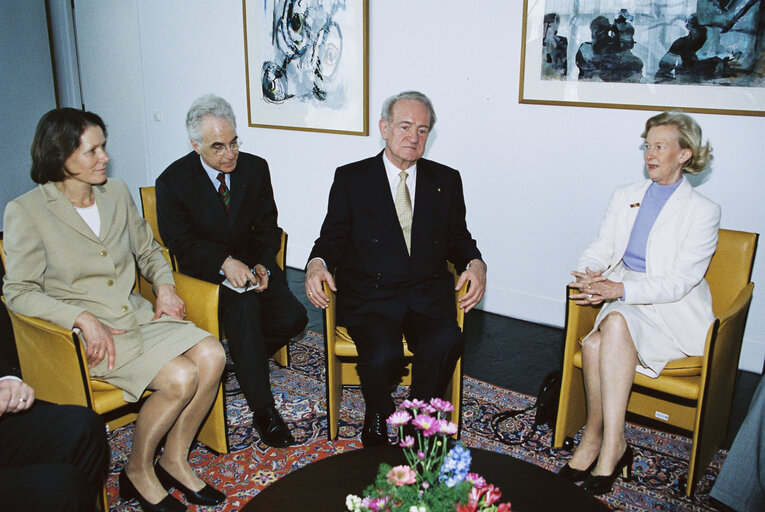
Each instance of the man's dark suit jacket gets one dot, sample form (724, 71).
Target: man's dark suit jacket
(194, 224)
(361, 239)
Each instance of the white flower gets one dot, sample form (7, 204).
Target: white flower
(353, 503)
(415, 508)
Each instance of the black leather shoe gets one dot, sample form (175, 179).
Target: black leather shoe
(271, 427)
(375, 431)
(207, 495)
(576, 475)
(129, 492)
(602, 484)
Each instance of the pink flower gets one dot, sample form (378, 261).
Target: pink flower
(407, 442)
(467, 507)
(504, 507)
(377, 503)
(441, 405)
(413, 404)
(477, 480)
(429, 409)
(425, 423)
(398, 418)
(446, 427)
(401, 475)
(421, 455)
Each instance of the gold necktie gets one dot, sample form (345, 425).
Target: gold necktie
(404, 210)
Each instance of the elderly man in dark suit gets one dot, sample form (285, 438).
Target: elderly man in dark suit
(52, 457)
(217, 215)
(392, 223)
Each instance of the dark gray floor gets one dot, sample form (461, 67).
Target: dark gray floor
(517, 355)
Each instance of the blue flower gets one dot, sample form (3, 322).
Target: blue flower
(456, 466)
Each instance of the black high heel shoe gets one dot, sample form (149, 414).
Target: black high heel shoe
(596, 484)
(576, 475)
(207, 495)
(129, 492)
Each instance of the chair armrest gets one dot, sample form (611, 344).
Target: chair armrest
(52, 360)
(201, 300)
(330, 318)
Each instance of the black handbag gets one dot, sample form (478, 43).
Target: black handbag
(546, 406)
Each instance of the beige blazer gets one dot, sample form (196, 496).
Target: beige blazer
(57, 267)
(680, 247)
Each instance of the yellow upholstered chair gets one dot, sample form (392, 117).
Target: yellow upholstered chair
(149, 206)
(694, 393)
(54, 363)
(340, 353)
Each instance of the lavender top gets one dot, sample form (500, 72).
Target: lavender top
(653, 201)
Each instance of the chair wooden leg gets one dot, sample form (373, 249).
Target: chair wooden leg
(334, 395)
(572, 409)
(103, 500)
(213, 431)
(454, 392)
(282, 356)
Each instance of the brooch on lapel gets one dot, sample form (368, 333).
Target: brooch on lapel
(634, 205)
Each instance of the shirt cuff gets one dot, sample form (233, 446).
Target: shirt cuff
(317, 258)
(11, 377)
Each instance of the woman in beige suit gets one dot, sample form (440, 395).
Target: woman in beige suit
(71, 246)
(647, 264)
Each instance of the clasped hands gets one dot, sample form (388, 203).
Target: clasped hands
(594, 288)
(240, 274)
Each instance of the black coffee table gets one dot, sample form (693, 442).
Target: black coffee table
(324, 484)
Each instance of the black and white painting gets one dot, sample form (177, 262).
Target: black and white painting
(699, 55)
(306, 64)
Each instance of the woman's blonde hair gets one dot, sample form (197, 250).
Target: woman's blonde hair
(688, 136)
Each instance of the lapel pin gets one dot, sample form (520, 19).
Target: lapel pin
(634, 205)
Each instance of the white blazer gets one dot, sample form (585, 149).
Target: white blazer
(680, 246)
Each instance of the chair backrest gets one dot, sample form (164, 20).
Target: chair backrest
(731, 267)
(149, 206)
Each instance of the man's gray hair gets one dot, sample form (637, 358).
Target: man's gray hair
(387, 109)
(207, 105)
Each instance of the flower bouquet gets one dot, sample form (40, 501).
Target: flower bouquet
(436, 479)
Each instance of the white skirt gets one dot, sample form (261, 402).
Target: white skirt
(653, 340)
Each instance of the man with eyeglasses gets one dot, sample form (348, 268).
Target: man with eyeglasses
(217, 215)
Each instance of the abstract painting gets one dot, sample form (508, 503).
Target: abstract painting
(306, 64)
(694, 55)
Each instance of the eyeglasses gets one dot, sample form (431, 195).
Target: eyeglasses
(219, 148)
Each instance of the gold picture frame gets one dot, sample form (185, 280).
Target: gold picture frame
(307, 65)
(670, 78)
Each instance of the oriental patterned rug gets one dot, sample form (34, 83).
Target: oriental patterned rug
(660, 458)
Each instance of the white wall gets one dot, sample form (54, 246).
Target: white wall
(537, 178)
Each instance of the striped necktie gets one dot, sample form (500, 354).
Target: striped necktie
(223, 192)
(404, 209)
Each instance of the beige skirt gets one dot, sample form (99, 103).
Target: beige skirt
(162, 342)
(653, 340)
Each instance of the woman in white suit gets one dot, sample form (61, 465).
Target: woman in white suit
(72, 244)
(647, 264)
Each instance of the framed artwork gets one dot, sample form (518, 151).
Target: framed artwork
(703, 56)
(307, 64)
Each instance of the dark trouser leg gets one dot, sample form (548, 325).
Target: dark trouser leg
(380, 361)
(53, 454)
(436, 345)
(241, 318)
(286, 316)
